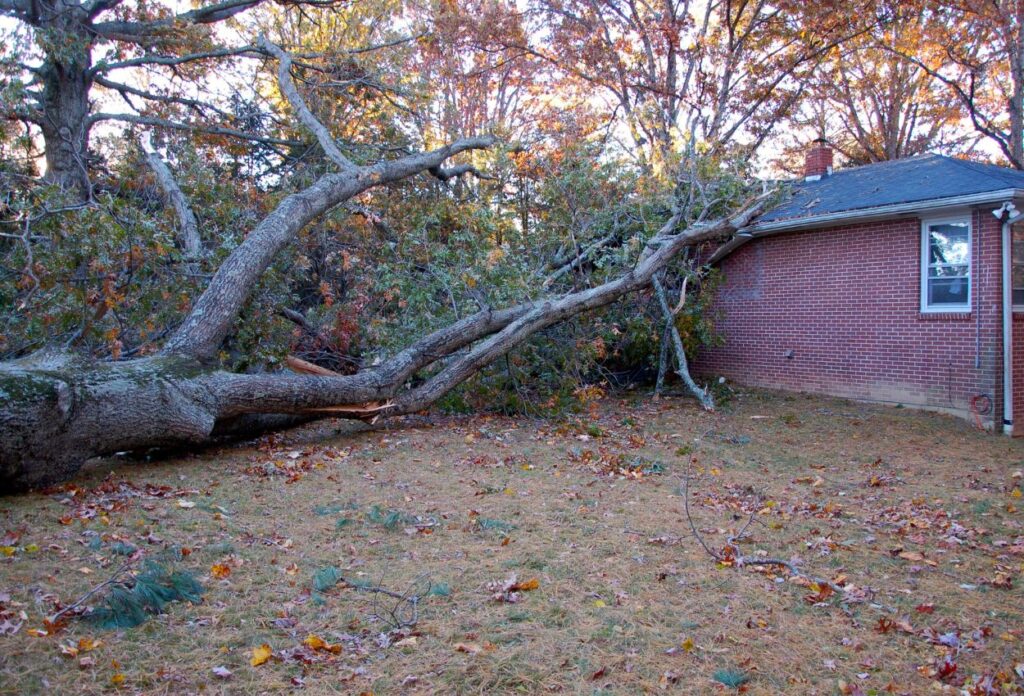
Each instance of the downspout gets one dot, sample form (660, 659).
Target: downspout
(1007, 331)
(1009, 215)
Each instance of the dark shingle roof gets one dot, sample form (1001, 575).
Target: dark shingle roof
(922, 178)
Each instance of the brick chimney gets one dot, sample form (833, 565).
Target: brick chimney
(818, 162)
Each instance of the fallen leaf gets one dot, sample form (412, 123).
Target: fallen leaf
(528, 586)
(220, 571)
(471, 648)
(222, 672)
(317, 643)
(1001, 580)
(260, 655)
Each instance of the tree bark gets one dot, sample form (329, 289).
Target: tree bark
(64, 107)
(60, 411)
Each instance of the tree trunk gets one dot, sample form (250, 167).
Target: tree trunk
(58, 412)
(64, 121)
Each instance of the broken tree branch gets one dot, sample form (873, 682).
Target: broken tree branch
(731, 554)
(284, 80)
(188, 239)
(210, 320)
(682, 365)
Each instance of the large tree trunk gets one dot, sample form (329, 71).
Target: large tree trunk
(64, 120)
(58, 412)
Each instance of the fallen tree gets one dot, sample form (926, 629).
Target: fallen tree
(59, 410)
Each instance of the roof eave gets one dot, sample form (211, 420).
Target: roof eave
(861, 215)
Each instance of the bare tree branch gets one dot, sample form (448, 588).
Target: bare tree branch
(284, 79)
(195, 128)
(682, 366)
(198, 106)
(149, 59)
(188, 238)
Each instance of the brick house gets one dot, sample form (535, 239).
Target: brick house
(900, 282)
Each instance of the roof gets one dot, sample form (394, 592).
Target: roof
(885, 184)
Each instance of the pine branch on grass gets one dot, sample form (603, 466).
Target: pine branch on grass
(130, 600)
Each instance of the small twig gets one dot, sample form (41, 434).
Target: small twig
(689, 517)
(395, 617)
(109, 581)
(732, 541)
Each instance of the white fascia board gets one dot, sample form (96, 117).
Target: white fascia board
(862, 215)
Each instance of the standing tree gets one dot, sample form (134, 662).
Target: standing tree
(715, 75)
(57, 92)
(872, 104)
(976, 50)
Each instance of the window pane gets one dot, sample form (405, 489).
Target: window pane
(947, 272)
(947, 291)
(948, 243)
(1018, 232)
(1017, 283)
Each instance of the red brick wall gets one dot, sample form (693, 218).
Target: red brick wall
(1018, 373)
(846, 302)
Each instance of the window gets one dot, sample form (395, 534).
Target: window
(946, 266)
(1017, 265)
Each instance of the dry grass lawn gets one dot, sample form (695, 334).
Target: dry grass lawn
(917, 516)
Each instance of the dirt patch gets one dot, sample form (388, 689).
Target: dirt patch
(914, 515)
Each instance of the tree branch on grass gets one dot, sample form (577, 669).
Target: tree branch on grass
(730, 554)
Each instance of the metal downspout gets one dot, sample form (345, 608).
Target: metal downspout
(1007, 330)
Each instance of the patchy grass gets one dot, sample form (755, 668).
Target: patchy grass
(915, 514)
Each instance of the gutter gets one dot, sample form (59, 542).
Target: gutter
(859, 215)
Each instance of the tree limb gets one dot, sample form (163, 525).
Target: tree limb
(195, 128)
(446, 174)
(188, 238)
(195, 104)
(210, 320)
(576, 261)
(284, 79)
(549, 312)
(134, 31)
(148, 59)
(682, 366)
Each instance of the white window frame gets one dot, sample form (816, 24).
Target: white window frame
(1014, 307)
(947, 308)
